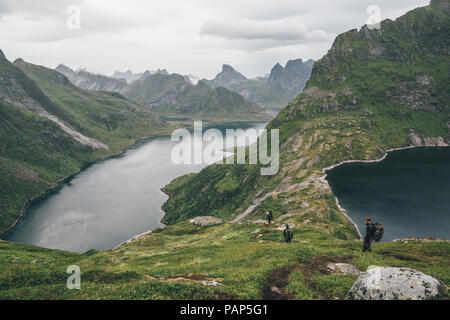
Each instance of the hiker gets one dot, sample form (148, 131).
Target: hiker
(370, 234)
(269, 216)
(288, 234)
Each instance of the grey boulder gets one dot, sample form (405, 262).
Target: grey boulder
(206, 221)
(389, 283)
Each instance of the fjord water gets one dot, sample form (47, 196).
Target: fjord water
(408, 192)
(109, 202)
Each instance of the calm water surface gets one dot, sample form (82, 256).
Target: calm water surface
(109, 202)
(408, 192)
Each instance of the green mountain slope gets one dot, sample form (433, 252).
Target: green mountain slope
(334, 120)
(374, 90)
(172, 96)
(50, 128)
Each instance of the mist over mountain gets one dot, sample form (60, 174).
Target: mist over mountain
(276, 90)
(171, 95)
(87, 80)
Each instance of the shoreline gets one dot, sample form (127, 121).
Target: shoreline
(58, 183)
(324, 177)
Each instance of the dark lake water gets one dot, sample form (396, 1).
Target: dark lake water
(408, 192)
(109, 202)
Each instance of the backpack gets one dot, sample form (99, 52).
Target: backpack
(379, 231)
(288, 234)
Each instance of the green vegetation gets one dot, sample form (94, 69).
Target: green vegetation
(172, 96)
(373, 91)
(231, 254)
(35, 152)
(367, 95)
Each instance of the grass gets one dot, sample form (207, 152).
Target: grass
(242, 261)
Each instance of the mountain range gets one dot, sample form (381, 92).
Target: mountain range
(172, 95)
(275, 91)
(374, 90)
(50, 128)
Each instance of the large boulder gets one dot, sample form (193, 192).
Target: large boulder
(389, 283)
(205, 221)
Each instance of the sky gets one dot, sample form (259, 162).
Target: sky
(183, 36)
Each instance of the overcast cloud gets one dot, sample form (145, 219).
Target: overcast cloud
(195, 36)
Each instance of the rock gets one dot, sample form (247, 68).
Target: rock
(205, 221)
(275, 290)
(256, 221)
(283, 226)
(212, 283)
(345, 268)
(389, 283)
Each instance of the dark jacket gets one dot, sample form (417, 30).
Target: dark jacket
(370, 230)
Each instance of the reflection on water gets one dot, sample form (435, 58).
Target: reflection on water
(408, 192)
(109, 202)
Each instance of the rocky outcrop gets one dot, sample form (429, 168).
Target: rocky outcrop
(87, 80)
(345, 268)
(205, 221)
(389, 283)
(276, 90)
(419, 140)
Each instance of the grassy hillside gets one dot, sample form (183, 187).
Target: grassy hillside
(172, 263)
(35, 152)
(374, 90)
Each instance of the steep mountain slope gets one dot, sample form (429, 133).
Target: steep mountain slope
(50, 128)
(90, 81)
(173, 96)
(248, 260)
(282, 85)
(374, 90)
(129, 76)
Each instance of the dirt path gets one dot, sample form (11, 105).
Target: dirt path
(275, 285)
(274, 288)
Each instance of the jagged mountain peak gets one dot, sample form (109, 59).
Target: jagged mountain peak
(62, 67)
(229, 71)
(276, 70)
(2, 55)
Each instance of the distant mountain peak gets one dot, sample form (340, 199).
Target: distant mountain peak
(63, 68)
(2, 55)
(276, 71)
(228, 73)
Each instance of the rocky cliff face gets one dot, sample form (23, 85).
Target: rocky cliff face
(90, 81)
(293, 77)
(129, 76)
(277, 90)
(228, 77)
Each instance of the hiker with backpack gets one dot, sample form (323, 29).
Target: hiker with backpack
(288, 234)
(374, 232)
(269, 216)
